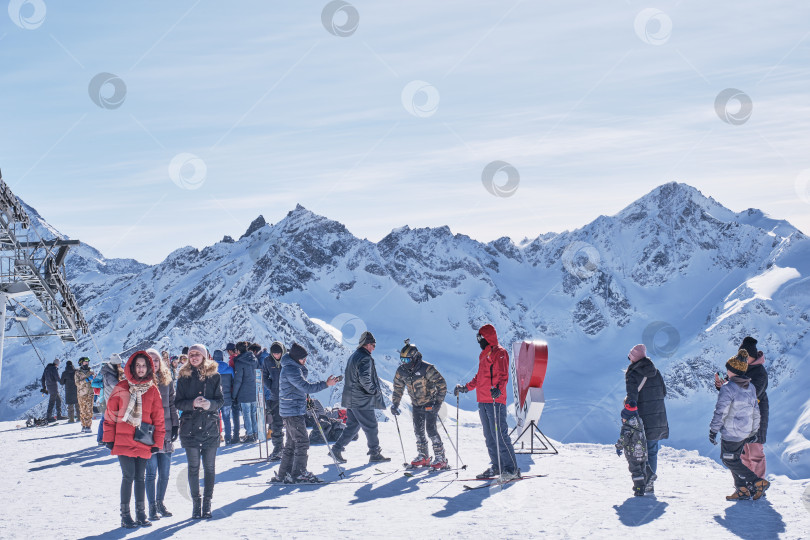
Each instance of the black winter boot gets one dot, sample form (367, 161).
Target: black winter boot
(140, 515)
(162, 509)
(126, 517)
(338, 456)
(206, 508)
(153, 512)
(276, 455)
(196, 511)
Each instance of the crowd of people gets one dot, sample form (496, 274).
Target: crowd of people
(153, 399)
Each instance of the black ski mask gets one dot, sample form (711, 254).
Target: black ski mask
(482, 342)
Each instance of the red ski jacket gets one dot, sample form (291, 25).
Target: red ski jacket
(121, 433)
(493, 368)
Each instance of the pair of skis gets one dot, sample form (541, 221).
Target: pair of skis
(489, 482)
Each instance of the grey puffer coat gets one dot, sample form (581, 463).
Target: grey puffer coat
(736, 415)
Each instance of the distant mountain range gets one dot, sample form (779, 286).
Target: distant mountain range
(675, 270)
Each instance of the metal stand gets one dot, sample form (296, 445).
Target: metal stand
(547, 447)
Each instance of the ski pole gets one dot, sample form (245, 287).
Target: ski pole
(341, 473)
(457, 457)
(451, 442)
(404, 459)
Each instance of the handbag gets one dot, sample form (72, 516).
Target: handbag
(145, 434)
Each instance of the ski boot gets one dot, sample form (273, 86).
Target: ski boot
(276, 454)
(421, 460)
(492, 472)
(508, 476)
(288, 479)
(307, 477)
(740, 494)
(760, 486)
(439, 462)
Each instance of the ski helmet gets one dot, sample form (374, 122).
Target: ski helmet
(409, 353)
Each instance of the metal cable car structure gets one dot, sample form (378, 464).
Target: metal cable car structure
(31, 266)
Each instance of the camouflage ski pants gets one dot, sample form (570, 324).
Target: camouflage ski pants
(86, 410)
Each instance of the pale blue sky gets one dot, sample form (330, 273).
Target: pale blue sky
(281, 111)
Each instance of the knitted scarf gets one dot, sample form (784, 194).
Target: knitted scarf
(132, 415)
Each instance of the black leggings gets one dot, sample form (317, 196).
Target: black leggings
(209, 456)
(133, 469)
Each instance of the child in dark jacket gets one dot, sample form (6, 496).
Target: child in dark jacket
(633, 443)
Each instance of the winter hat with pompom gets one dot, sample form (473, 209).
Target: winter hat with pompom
(115, 359)
(630, 409)
(738, 364)
(749, 344)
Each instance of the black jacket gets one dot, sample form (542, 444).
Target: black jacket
(50, 378)
(244, 377)
(759, 378)
(361, 388)
(170, 417)
(651, 406)
(271, 374)
(199, 428)
(69, 382)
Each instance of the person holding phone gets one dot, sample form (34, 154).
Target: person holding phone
(293, 390)
(133, 404)
(199, 397)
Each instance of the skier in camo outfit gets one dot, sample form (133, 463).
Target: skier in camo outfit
(84, 390)
(426, 388)
(633, 443)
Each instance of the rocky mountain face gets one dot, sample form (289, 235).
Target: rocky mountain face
(674, 270)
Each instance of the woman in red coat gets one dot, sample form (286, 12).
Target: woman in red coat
(134, 400)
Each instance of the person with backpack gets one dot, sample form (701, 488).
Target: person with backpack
(50, 387)
(71, 400)
(645, 385)
(753, 455)
(489, 384)
(293, 390)
(226, 381)
(362, 395)
(271, 372)
(427, 389)
(134, 405)
(159, 465)
(634, 445)
(199, 397)
(84, 390)
(736, 418)
(244, 389)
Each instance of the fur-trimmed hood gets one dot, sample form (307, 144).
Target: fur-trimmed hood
(208, 368)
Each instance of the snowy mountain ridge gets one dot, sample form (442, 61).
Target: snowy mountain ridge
(675, 270)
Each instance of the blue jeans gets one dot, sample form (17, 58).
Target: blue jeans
(157, 467)
(652, 456)
(100, 436)
(249, 417)
(487, 412)
(226, 421)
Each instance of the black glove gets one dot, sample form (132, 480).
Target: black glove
(460, 389)
(153, 450)
(395, 410)
(109, 445)
(44, 391)
(713, 437)
(495, 392)
(752, 439)
(175, 431)
(618, 449)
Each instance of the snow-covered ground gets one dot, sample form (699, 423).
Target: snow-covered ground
(59, 484)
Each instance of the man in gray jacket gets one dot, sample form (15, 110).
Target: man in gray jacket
(362, 394)
(736, 418)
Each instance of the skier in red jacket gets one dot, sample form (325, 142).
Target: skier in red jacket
(490, 390)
